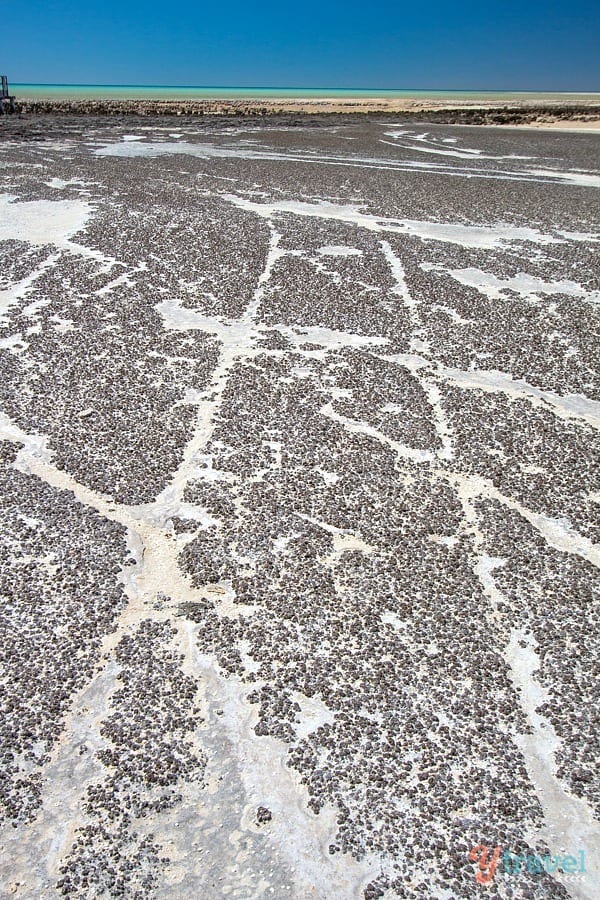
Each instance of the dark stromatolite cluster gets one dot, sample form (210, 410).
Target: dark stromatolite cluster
(59, 583)
(345, 407)
(149, 754)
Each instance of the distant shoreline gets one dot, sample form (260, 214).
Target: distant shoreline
(282, 94)
(581, 116)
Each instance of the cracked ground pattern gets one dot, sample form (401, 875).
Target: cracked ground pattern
(299, 465)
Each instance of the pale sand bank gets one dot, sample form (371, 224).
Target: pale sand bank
(577, 115)
(574, 125)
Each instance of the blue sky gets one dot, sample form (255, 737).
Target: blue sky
(456, 45)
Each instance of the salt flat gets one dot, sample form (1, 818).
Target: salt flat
(299, 446)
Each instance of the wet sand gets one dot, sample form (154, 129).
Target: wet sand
(298, 449)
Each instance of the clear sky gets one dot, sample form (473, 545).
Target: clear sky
(508, 44)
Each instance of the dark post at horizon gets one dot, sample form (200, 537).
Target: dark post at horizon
(5, 95)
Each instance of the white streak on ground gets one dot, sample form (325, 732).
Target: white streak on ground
(400, 287)
(33, 851)
(556, 532)
(35, 446)
(526, 285)
(301, 837)
(579, 178)
(328, 338)
(568, 821)
(274, 254)
(569, 406)
(154, 149)
(157, 572)
(431, 390)
(126, 278)
(11, 296)
(343, 539)
(418, 142)
(402, 451)
(238, 334)
(489, 237)
(339, 250)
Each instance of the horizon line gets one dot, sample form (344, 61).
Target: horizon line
(255, 87)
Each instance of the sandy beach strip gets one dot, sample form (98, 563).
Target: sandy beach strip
(569, 113)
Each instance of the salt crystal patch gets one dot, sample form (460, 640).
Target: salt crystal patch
(339, 250)
(42, 222)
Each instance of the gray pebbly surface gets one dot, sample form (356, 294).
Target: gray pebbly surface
(299, 455)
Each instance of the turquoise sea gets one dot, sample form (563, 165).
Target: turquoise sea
(168, 92)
